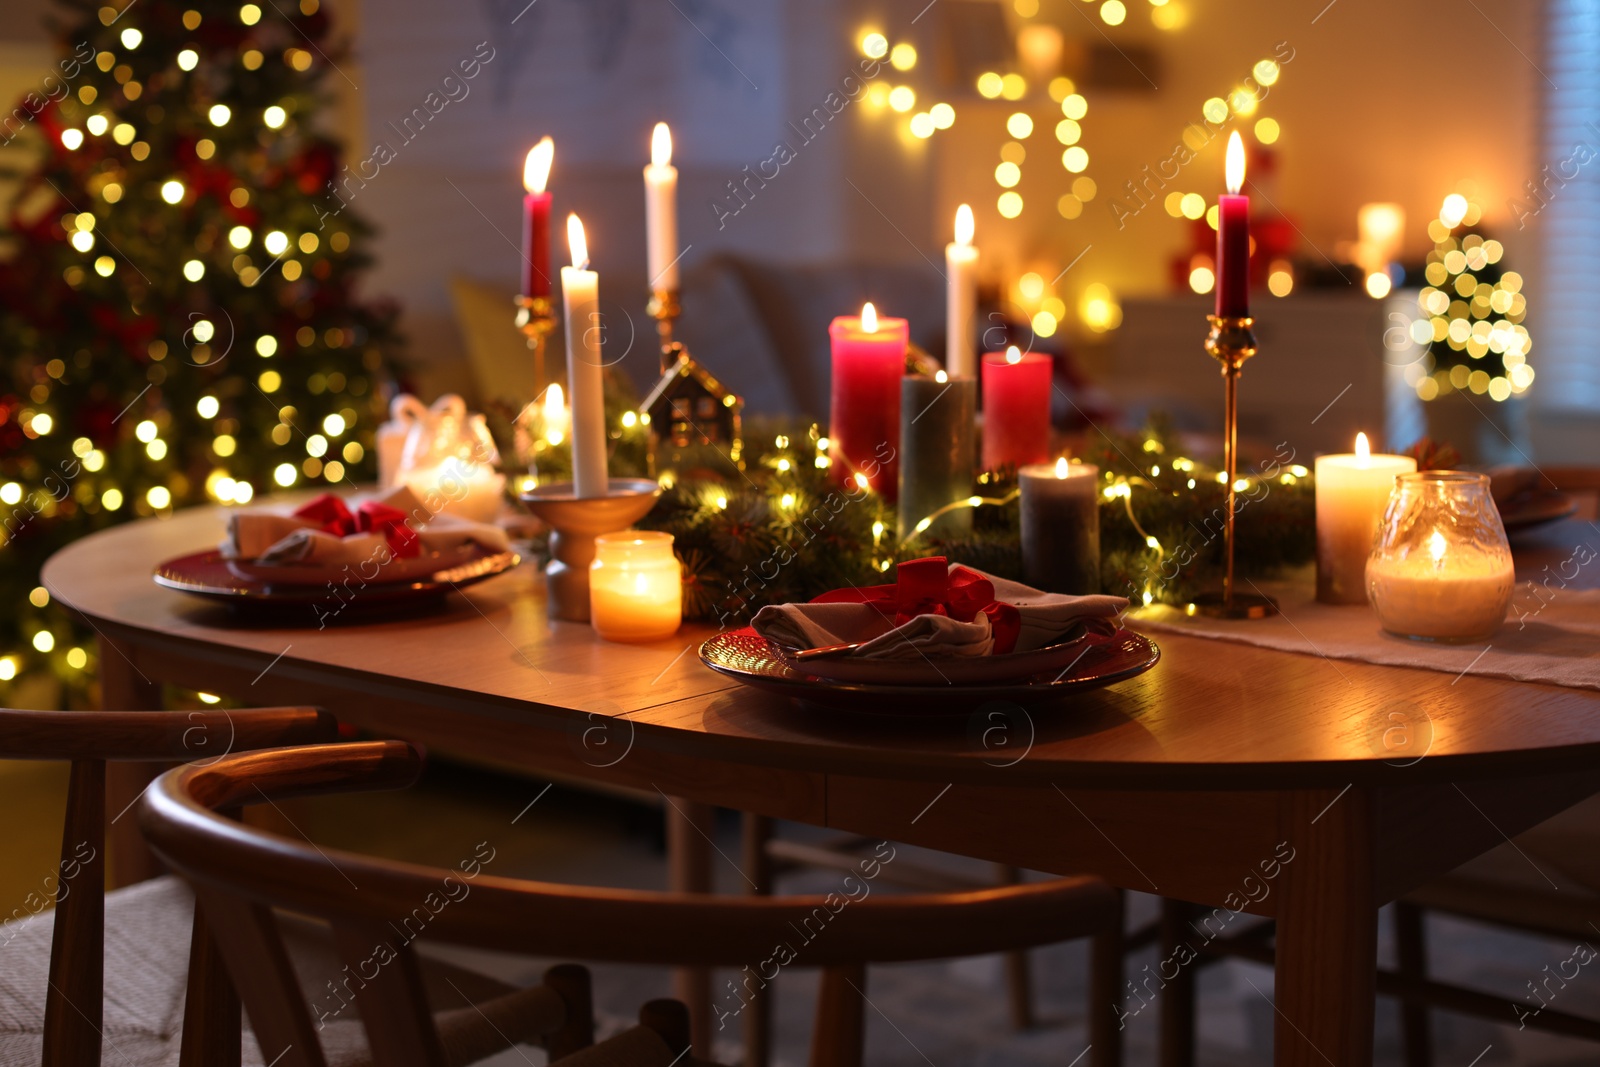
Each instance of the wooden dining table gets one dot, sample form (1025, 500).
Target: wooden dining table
(1241, 779)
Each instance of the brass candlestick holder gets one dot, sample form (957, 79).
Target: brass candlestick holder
(536, 319)
(1230, 343)
(664, 307)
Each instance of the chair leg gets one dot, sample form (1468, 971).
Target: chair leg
(1019, 975)
(1106, 953)
(756, 832)
(840, 1030)
(1411, 943)
(689, 829)
(670, 1019)
(571, 982)
(211, 1012)
(1177, 996)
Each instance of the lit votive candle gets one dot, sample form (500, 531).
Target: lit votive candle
(635, 586)
(1060, 513)
(1441, 569)
(1352, 490)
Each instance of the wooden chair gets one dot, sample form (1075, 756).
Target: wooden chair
(143, 953)
(240, 873)
(55, 966)
(767, 856)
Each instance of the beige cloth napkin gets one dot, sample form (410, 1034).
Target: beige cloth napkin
(1046, 619)
(1555, 639)
(277, 536)
(443, 533)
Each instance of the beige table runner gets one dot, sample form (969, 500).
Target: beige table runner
(1552, 636)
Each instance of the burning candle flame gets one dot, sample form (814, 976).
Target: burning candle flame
(1436, 547)
(941, 377)
(555, 414)
(964, 225)
(1013, 355)
(1061, 467)
(577, 243)
(869, 318)
(1363, 450)
(1235, 165)
(661, 146)
(536, 169)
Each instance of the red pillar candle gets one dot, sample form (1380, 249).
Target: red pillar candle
(1233, 239)
(536, 220)
(1016, 408)
(869, 359)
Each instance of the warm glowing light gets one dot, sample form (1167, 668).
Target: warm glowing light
(72, 139)
(1044, 324)
(159, 496)
(1235, 164)
(276, 242)
(207, 407)
(82, 240)
(1453, 210)
(536, 167)
(661, 146)
(1363, 450)
(1436, 547)
(1267, 131)
(869, 318)
(1202, 279)
(943, 116)
(131, 38)
(284, 474)
(1192, 205)
(172, 190)
(1113, 12)
(188, 59)
(874, 46)
(274, 117)
(1009, 205)
(1378, 285)
(965, 227)
(903, 56)
(1099, 308)
(990, 84)
(239, 237)
(902, 98)
(577, 243)
(44, 641)
(1007, 174)
(219, 114)
(1020, 125)
(1074, 107)
(1061, 467)
(1013, 355)
(1031, 286)
(922, 125)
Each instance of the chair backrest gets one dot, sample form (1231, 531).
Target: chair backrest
(240, 873)
(74, 1001)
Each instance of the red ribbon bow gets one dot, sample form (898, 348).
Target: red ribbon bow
(932, 587)
(332, 516)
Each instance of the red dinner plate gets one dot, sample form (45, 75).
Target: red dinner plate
(207, 574)
(747, 657)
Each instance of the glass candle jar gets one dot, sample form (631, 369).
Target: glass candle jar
(635, 586)
(1440, 568)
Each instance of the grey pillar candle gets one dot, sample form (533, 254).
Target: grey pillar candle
(1061, 526)
(938, 450)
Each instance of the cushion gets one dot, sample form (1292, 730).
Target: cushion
(146, 969)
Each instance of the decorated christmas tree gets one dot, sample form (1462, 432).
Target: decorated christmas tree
(178, 322)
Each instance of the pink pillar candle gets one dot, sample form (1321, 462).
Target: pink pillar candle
(1016, 409)
(1233, 239)
(869, 359)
